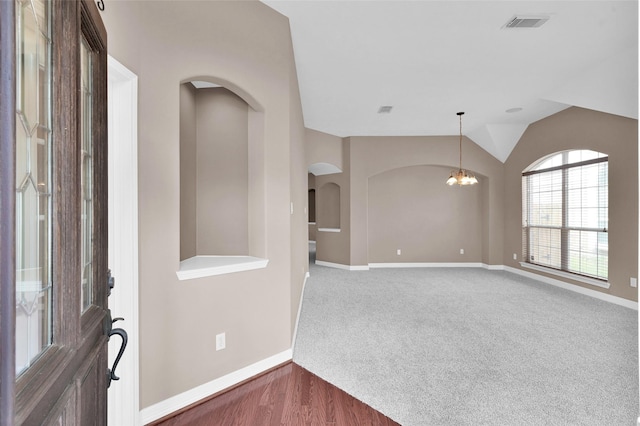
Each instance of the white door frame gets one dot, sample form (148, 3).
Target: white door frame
(123, 397)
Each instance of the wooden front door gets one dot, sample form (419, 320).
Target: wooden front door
(55, 328)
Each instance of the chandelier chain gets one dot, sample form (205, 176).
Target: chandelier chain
(460, 116)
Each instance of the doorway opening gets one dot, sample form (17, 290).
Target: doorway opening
(123, 402)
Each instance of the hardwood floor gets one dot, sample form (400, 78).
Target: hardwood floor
(287, 395)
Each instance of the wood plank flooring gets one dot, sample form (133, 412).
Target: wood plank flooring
(287, 395)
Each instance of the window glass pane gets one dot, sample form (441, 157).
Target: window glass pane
(588, 253)
(574, 217)
(553, 161)
(574, 178)
(33, 171)
(545, 247)
(545, 199)
(589, 176)
(603, 255)
(582, 155)
(87, 173)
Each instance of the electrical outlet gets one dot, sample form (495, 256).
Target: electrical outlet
(398, 252)
(221, 341)
(633, 282)
(461, 251)
(515, 256)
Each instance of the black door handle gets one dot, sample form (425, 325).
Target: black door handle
(111, 372)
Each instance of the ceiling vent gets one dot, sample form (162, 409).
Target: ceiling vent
(526, 21)
(385, 109)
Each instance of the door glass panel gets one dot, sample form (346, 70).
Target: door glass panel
(33, 178)
(86, 73)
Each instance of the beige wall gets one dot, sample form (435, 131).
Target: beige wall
(188, 178)
(577, 128)
(298, 193)
(333, 247)
(222, 173)
(213, 172)
(323, 148)
(411, 209)
(329, 206)
(245, 47)
(367, 160)
(371, 156)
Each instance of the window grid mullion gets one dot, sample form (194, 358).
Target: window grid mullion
(564, 233)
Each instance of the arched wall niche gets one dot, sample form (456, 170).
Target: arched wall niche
(320, 169)
(229, 85)
(414, 217)
(328, 207)
(222, 177)
(446, 169)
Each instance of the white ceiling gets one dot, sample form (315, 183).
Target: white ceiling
(430, 59)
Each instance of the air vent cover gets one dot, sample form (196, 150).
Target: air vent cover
(522, 21)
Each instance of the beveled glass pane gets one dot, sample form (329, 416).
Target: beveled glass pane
(32, 276)
(22, 154)
(87, 172)
(28, 34)
(33, 170)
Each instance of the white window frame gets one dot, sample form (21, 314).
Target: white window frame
(563, 268)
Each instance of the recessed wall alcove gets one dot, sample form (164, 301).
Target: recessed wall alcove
(328, 214)
(222, 197)
(414, 217)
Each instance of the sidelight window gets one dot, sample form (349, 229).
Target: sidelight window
(33, 181)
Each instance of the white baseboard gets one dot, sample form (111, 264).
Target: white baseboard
(493, 267)
(582, 290)
(295, 329)
(341, 266)
(426, 265)
(198, 393)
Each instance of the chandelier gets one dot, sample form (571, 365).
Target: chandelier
(461, 176)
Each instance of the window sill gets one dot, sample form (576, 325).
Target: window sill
(568, 275)
(206, 266)
(328, 229)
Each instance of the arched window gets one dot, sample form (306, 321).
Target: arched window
(565, 213)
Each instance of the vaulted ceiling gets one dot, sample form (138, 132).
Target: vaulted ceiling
(431, 59)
